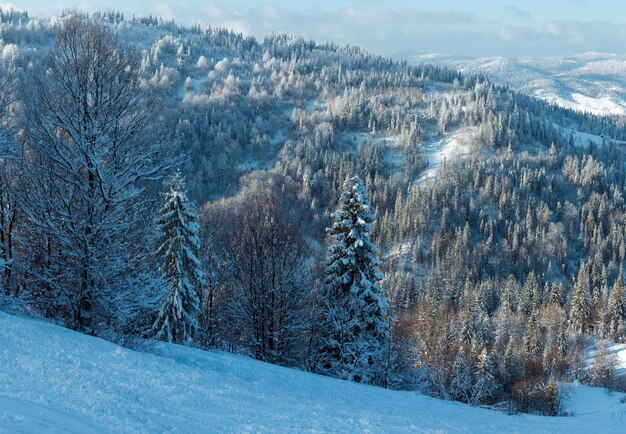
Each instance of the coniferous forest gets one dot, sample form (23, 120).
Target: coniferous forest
(302, 203)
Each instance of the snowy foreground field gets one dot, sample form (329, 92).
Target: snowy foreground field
(56, 380)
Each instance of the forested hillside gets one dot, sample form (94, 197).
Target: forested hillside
(477, 236)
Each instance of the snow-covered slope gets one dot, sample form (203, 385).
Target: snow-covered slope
(617, 351)
(56, 380)
(592, 82)
(453, 146)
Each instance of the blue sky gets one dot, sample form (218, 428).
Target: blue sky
(469, 27)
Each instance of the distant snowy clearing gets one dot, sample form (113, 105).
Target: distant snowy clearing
(576, 101)
(56, 380)
(617, 351)
(453, 146)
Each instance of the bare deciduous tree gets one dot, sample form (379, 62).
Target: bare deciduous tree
(89, 147)
(269, 279)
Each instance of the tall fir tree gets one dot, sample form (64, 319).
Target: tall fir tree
(617, 309)
(355, 332)
(511, 367)
(484, 382)
(178, 318)
(532, 339)
(580, 308)
(461, 383)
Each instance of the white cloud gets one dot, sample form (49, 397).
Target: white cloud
(164, 10)
(553, 29)
(507, 33)
(238, 26)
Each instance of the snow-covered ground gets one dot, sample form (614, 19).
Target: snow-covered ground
(616, 350)
(56, 380)
(598, 106)
(452, 146)
(594, 403)
(583, 139)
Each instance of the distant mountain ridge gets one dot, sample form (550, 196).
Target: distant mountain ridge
(592, 82)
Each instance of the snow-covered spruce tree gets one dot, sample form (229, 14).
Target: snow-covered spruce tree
(617, 309)
(355, 331)
(580, 309)
(461, 383)
(484, 382)
(178, 319)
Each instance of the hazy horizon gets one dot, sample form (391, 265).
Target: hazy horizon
(482, 28)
